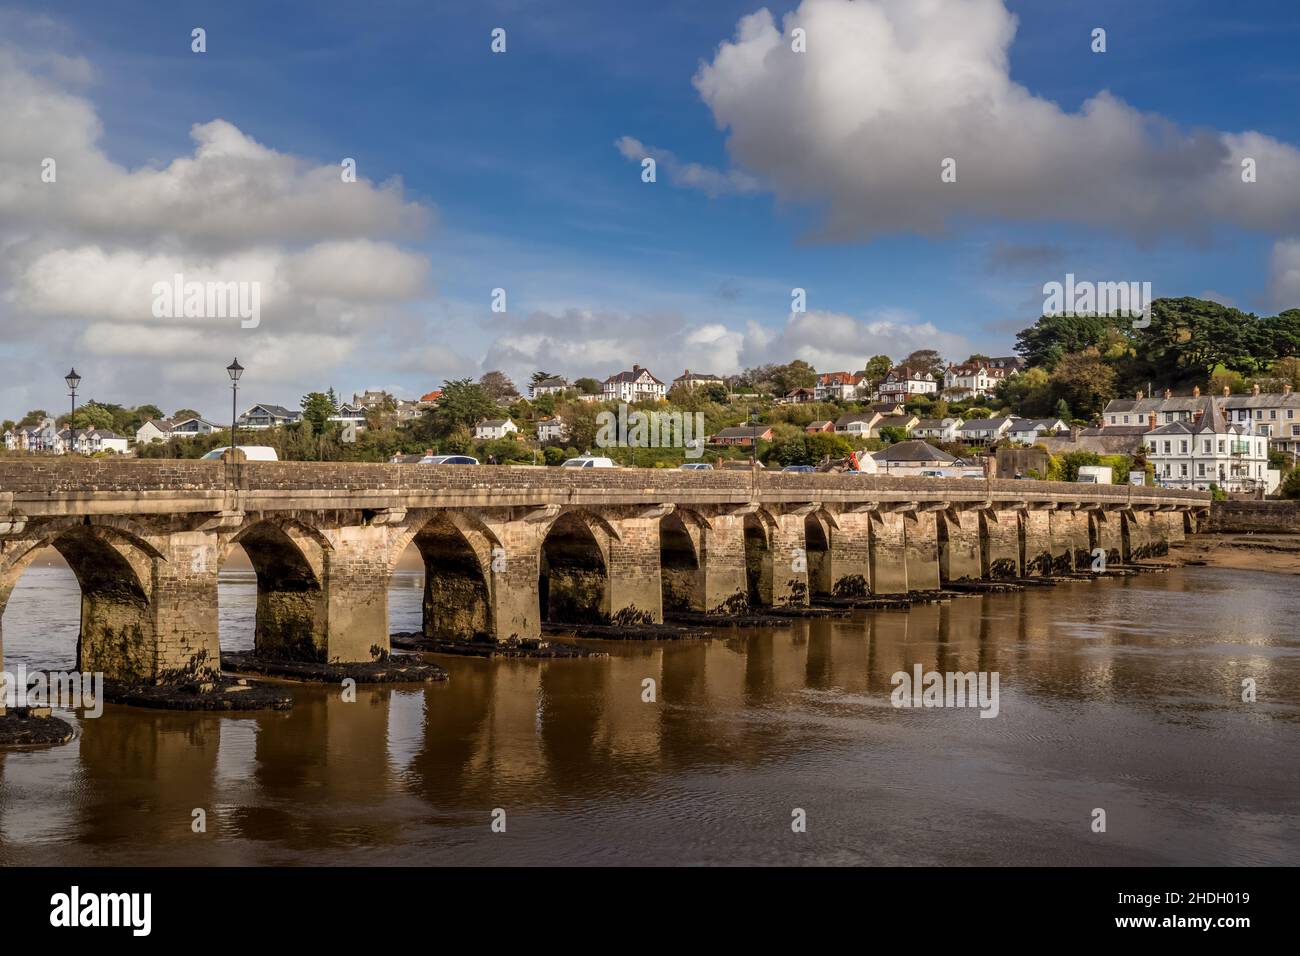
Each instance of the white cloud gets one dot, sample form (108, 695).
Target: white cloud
(1285, 269)
(859, 124)
(87, 249)
(710, 181)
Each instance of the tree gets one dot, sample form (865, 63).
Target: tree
(1063, 411)
(1052, 336)
(925, 360)
(463, 404)
(317, 409)
(536, 379)
(183, 413)
(876, 369)
(498, 387)
(588, 386)
(147, 412)
(34, 417)
(1189, 338)
(892, 433)
(1084, 382)
(781, 379)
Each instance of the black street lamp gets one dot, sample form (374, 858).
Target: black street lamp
(234, 370)
(73, 380)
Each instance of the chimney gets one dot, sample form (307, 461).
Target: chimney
(1169, 393)
(1138, 396)
(1151, 421)
(1196, 391)
(1286, 389)
(1226, 391)
(1254, 389)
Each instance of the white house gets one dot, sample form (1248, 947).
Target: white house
(862, 424)
(690, 379)
(491, 428)
(902, 382)
(938, 429)
(984, 431)
(637, 385)
(154, 430)
(350, 414)
(90, 441)
(552, 429)
(259, 417)
(1208, 450)
(189, 427)
(913, 457)
(972, 380)
(838, 387)
(1275, 415)
(33, 438)
(550, 386)
(1028, 430)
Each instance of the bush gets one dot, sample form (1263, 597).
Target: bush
(1290, 487)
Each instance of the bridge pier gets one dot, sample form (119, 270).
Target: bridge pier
(849, 556)
(1039, 553)
(888, 553)
(959, 546)
(789, 557)
(185, 607)
(1070, 539)
(722, 563)
(1105, 532)
(1000, 543)
(635, 585)
(921, 541)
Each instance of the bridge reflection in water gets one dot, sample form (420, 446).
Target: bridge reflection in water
(1119, 693)
(508, 548)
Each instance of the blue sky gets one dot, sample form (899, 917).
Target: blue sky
(513, 158)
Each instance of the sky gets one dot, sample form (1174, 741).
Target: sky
(522, 170)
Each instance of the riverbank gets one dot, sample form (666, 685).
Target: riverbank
(1276, 552)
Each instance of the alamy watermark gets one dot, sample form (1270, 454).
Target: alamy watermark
(652, 429)
(67, 690)
(948, 689)
(179, 299)
(1129, 300)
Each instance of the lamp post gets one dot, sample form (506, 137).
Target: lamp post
(73, 380)
(234, 370)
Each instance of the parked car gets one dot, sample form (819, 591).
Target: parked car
(799, 468)
(697, 466)
(448, 460)
(587, 461)
(251, 453)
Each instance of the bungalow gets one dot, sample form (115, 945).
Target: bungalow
(939, 429)
(888, 408)
(189, 427)
(911, 457)
(432, 398)
(800, 396)
(902, 382)
(492, 428)
(154, 430)
(858, 423)
(905, 421)
(814, 428)
(260, 417)
(690, 379)
(984, 431)
(1027, 430)
(746, 435)
(552, 429)
(549, 386)
(637, 385)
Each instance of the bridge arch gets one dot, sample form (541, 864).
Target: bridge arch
(682, 559)
(288, 560)
(457, 551)
(818, 528)
(573, 569)
(760, 531)
(114, 570)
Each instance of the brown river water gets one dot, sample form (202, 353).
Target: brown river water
(1123, 695)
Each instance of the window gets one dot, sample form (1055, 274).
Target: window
(1221, 446)
(1200, 470)
(1182, 470)
(1182, 447)
(1272, 414)
(1125, 419)
(1168, 447)
(1205, 446)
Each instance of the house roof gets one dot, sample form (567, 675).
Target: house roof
(493, 423)
(898, 421)
(845, 420)
(743, 431)
(913, 450)
(277, 411)
(431, 396)
(688, 374)
(984, 424)
(1263, 400)
(629, 377)
(1033, 424)
(555, 381)
(937, 422)
(819, 424)
(835, 378)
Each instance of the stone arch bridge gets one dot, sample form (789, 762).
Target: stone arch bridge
(506, 548)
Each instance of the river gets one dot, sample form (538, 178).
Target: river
(1122, 695)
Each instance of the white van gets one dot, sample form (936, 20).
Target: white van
(251, 453)
(587, 461)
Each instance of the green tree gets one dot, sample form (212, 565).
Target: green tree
(588, 386)
(1052, 336)
(316, 410)
(463, 404)
(1084, 382)
(498, 387)
(33, 417)
(182, 413)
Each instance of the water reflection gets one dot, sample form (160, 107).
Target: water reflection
(1122, 694)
